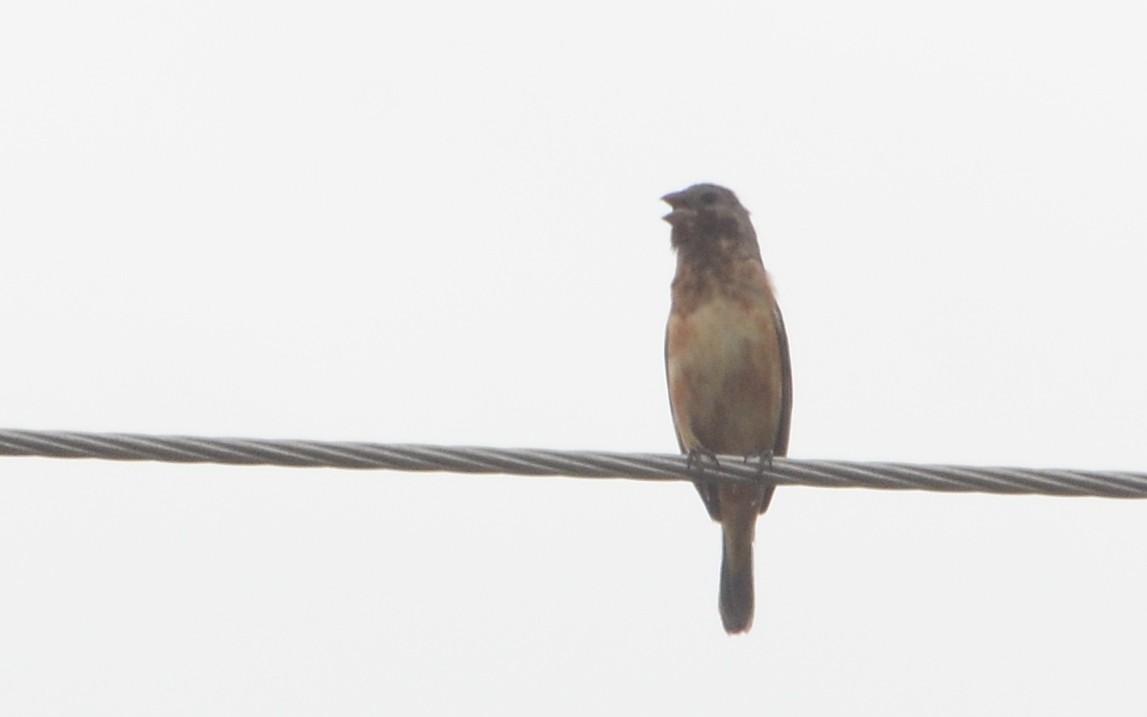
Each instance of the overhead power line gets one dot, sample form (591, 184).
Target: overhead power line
(579, 464)
(576, 464)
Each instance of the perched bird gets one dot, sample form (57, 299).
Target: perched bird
(727, 365)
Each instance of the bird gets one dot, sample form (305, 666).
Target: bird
(728, 371)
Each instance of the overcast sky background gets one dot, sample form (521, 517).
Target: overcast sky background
(440, 224)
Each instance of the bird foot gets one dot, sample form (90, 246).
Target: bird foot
(762, 458)
(695, 460)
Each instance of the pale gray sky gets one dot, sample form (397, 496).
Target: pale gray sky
(440, 224)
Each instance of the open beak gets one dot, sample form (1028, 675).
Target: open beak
(680, 211)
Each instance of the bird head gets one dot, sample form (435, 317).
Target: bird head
(706, 213)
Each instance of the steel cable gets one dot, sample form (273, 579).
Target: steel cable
(580, 464)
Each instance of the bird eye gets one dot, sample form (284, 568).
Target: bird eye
(709, 198)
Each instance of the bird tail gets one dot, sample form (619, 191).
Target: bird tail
(736, 596)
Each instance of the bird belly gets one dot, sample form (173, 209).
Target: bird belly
(725, 377)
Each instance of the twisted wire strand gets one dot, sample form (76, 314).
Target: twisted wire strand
(581, 464)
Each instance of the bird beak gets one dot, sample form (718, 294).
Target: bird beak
(679, 212)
